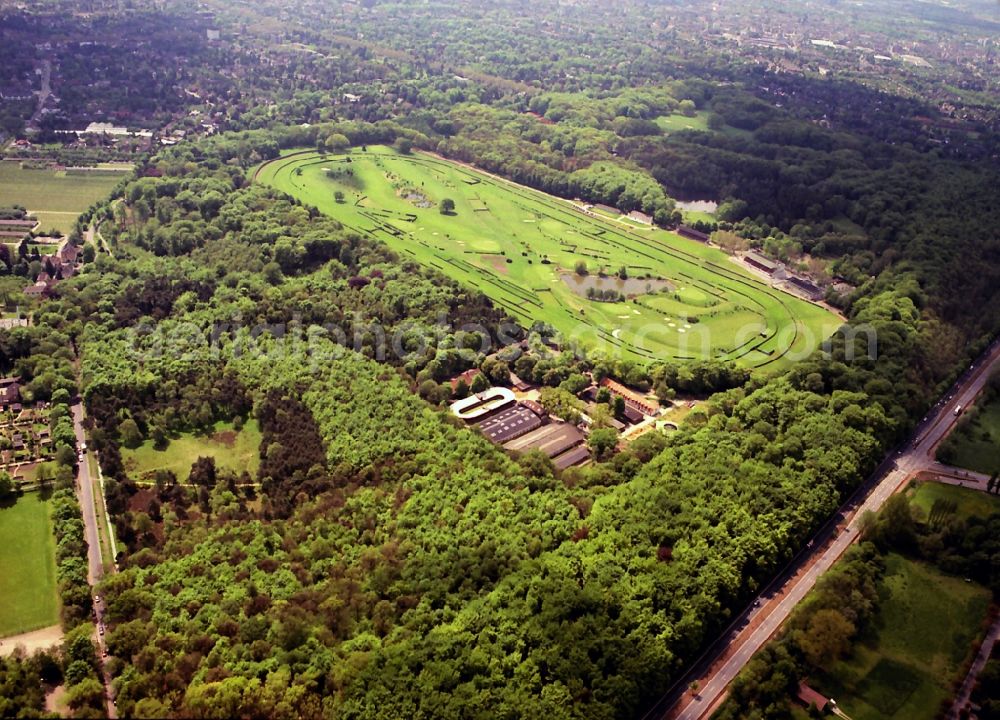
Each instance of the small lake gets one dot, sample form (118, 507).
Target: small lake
(632, 286)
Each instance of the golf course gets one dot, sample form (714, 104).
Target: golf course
(609, 283)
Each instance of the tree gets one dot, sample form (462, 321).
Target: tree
(203, 472)
(480, 383)
(687, 108)
(338, 196)
(6, 486)
(447, 206)
(131, 437)
(581, 268)
(602, 441)
(827, 637)
(337, 143)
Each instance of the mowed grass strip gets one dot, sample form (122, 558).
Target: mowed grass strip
(232, 450)
(28, 599)
(903, 666)
(521, 247)
(57, 197)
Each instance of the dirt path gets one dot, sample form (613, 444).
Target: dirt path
(31, 641)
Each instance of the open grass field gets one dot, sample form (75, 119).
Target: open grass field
(237, 451)
(56, 198)
(28, 598)
(903, 666)
(685, 300)
(678, 122)
(979, 448)
(970, 503)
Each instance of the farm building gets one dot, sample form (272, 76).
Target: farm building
(519, 384)
(806, 287)
(691, 234)
(484, 404)
(632, 399)
(576, 456)
(771, 267)
(509, 424)
(535, 408)
(640, 217)
(550, 439)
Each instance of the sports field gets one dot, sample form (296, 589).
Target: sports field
(684, 300)
(903, 666)
(55, 197)
(28, 598)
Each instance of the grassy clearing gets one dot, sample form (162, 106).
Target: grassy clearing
(970, 503)
(677, 122)
(27, 555)
(902, 667)
(520, 247)
(978, 447)
(236, 451)
(55, 197)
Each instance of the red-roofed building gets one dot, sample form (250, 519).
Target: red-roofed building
(809, 697)
(632, 399)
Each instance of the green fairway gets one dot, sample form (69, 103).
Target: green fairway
(685, 300)
(28, 598)
(55, 197)
(236, 451)
(903, 666)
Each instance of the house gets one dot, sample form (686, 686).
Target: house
(17, 442)
(809, 697)
(691, 234)
(10, 390)
(519, 384)
(640, 217)
(39, 289)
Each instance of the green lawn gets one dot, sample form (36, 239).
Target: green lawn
(231, 450)
(520, 248)
(55, 197)
(902, 667)
(28, 599)
(678, 122)
(969, 502)
(979, 447)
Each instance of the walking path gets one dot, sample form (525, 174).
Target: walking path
(985, 650)
(31, 641)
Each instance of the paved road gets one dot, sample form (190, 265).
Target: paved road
(756, 626)
(95, 565)
(985, 650)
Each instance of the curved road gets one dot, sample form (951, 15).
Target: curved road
(751, 630)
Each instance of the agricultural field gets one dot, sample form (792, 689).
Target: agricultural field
(27, 556)
(676, 299)
(55, 197)
(903, 666)
(232, 450)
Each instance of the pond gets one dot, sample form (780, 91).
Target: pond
(632, 286)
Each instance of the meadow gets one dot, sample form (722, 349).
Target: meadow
(679, 300)
(232, 450)
(902, 667)
(978, 446)
(55, 197)
(27, 556)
